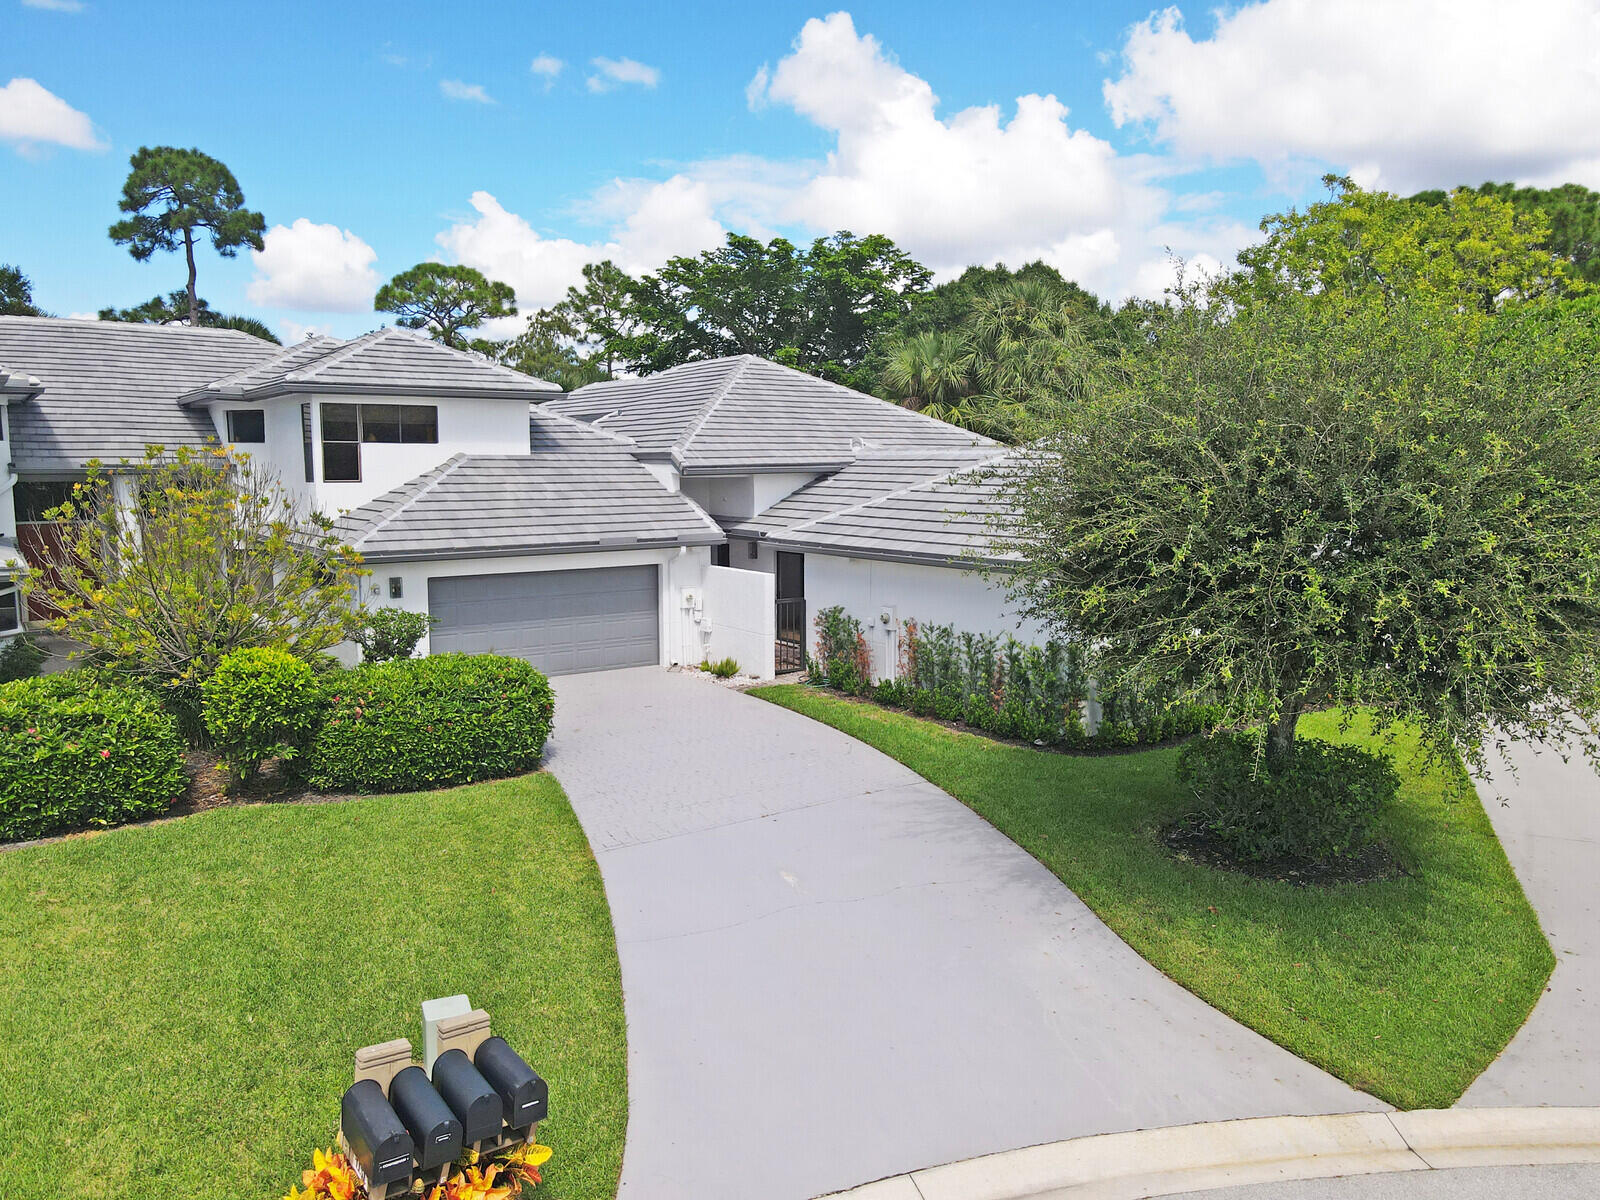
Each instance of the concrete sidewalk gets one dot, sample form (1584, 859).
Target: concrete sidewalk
(834, 972)
(1548, 817)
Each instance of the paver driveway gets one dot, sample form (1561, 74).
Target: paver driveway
(835, 972)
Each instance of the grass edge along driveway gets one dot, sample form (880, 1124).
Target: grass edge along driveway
(179, 1002)
(1405, 988)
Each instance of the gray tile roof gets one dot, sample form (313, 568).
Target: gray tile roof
(746, 413)
(110, 388)
(578, 490)
(386, 361)
(936, 508)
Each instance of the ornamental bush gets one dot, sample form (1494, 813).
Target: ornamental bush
(78, 751)
(1323, 804)
(390, 633)
(258, 704)
(418, 723)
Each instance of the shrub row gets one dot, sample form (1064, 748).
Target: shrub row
(997, 684)
(429, 722)
(77, 750)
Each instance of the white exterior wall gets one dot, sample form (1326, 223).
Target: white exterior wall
(678, 634)
(766, 558)
(8, 481)
(466, 426)
(740, 619)
(740, 497)
(867, 589)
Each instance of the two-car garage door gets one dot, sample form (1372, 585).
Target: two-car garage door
(560, 621)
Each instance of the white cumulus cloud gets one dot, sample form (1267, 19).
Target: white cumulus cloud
(66, 6)
(32, 116)
(611, 73)
(547, 67)
(1402, 94)
(313, 268)
(454, 89)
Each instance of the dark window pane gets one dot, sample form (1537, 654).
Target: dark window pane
(10, 616)
(340, 423)
(341, 462)
(305, 442)
(419, 423)
(380, 423)
(719, 555)
(35, 498)
(247, 426)
(791, 575)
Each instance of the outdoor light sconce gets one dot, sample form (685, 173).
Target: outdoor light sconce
(396, 587)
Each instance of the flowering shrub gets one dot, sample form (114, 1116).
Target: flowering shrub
(76, 751)
(418, 723)
(496, 1176)
(998, 684)
(260, 703)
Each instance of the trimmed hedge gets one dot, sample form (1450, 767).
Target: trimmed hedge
(417, 723)
(1321, 806)
(260, 703)
(77, 751)
(998, 684)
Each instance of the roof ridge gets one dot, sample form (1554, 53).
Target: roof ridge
(681, 444)
(307, 373)
(945, 477)
(439, 473)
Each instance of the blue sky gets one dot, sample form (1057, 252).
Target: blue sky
(373, 136)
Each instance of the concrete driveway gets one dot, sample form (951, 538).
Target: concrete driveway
(1547, 813)
(835, 972)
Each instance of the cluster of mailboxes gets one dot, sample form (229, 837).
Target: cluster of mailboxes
(400, 1120)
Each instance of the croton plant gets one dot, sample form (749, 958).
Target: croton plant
(497, 1176)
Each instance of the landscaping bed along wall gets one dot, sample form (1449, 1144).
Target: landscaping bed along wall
(1005, 687)
(86, 749)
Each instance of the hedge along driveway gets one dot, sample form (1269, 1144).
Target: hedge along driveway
(1405, 988)
(179, 1002)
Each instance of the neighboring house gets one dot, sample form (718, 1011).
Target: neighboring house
(713, 508)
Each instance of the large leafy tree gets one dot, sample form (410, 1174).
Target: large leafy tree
(819, 309)
(16, 294)
(1388, 501)
(445, 300)
(173, 307)
(1470, 250)
(1022, 347)
(547, 348)
(212, 556)
(175, 197)
(1571, 211)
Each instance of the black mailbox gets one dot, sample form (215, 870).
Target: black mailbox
(433, 1126)
(469, 1096)
(524, 1096)
(378, 1141)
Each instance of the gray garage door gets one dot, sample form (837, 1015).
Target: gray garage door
(560, 621)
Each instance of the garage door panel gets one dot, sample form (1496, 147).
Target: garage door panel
(561, 621)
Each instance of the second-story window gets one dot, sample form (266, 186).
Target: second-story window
(345, 427)
(246, 426)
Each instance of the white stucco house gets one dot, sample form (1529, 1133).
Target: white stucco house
(709, 510)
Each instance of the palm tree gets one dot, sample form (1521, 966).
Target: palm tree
(932, 367)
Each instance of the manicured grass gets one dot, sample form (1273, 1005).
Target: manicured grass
(1405, 988)
(179, 1003)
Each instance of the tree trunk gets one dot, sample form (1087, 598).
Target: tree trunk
(1280, 734)
(194, 303)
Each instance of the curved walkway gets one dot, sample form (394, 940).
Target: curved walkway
(1547, 813)
(835, 972)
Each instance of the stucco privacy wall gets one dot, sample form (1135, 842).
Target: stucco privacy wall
(865, 588)
(680, 570)
(740, 619)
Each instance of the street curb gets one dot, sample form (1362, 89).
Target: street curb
(1190, 1158)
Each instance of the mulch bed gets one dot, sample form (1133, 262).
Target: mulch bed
(1196, 845)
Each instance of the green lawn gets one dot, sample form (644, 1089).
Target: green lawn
(1405, 988)
(179, 1003)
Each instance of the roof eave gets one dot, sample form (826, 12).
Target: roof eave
(594, 547)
